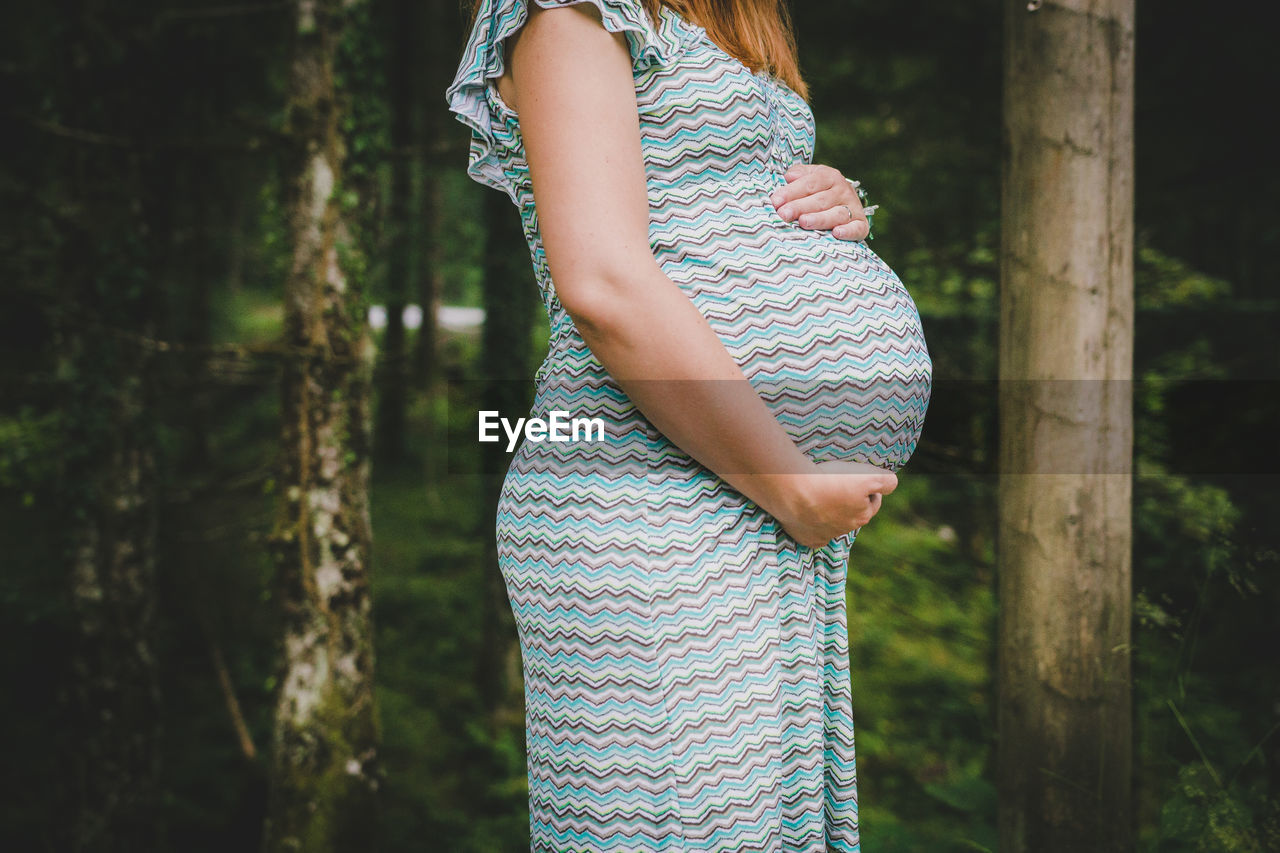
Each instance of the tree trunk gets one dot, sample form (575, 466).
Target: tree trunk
(107, 482)
(430, 279)
(116, 688)
(393, 392)
(324, 771)
(1066, 351)
(440, 32)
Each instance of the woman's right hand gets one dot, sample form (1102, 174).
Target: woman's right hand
(835, 498)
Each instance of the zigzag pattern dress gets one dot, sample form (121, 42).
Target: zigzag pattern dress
(686, 663)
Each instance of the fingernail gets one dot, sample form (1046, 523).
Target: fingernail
(784, 212)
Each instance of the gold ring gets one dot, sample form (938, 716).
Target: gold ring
(850, 210)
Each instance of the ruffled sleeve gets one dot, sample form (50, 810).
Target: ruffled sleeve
(476, 105)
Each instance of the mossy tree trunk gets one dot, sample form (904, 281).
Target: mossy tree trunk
(324, 769)
(1065, 355)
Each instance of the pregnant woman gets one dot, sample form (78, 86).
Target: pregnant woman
(679, 586)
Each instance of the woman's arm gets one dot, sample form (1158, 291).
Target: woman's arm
(578, 116)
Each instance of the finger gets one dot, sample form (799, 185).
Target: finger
(807, 182)
(797, 170)
(829, 219)
(828, 216)
(856, 230)
(817, 202)
(797, 188)
(826, 176)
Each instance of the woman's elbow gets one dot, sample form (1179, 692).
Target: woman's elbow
(601, 296)
(593, 305)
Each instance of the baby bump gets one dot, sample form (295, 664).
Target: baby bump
(828, 335)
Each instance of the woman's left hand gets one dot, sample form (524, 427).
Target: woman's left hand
(820, 198)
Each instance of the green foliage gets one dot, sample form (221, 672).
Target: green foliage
(1200, 816)
(462, 230)
(1201, 782)
(921, 628)
(1163, 283)
(452, 776)
(29, 441)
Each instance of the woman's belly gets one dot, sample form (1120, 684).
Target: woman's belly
(823, 328)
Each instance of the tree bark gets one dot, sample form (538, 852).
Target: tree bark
(324, 769)
(1065, 361)
(108, 266)
(393, 396)
(440, 34)
(430, 279)
(117, 691)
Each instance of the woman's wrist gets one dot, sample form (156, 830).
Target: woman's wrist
(786, 496)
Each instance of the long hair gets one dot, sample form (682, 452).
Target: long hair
(757, 33)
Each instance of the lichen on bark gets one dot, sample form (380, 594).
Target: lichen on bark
(324, 770)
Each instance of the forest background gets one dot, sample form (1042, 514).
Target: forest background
(144, 238)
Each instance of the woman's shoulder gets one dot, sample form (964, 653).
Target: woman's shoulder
(472, 96)
(484, 54)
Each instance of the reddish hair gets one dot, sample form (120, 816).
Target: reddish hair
(757, 33)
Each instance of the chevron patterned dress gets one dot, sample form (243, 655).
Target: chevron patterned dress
(686, 663)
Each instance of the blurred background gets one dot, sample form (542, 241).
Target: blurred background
(147, 200)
